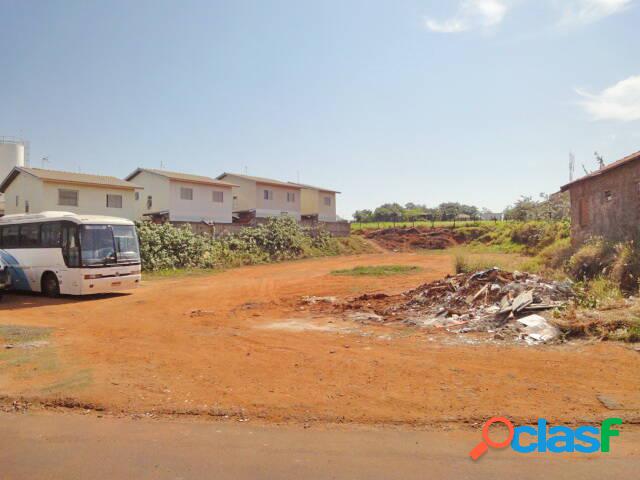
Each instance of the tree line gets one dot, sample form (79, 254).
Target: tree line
(548, 207)
(394, 212)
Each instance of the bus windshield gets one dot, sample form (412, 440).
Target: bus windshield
(108, 245)
(127, 249)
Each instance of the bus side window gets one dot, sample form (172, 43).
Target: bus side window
(51, 235)
(70, 246)
(10, 236)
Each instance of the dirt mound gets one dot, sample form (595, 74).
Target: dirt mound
(414, 238)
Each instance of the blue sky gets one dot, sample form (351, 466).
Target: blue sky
(478, 101)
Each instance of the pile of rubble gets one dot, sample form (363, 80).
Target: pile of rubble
(492, 300)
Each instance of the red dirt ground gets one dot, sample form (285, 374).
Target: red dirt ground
(238, 343)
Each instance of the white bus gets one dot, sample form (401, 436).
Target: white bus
(64, 253)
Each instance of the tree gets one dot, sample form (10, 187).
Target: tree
(363, 216)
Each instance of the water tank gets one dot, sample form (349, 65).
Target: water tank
(11, 155)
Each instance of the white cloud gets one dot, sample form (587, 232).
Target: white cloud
(471, 14)
(581, 12)
(618, 102)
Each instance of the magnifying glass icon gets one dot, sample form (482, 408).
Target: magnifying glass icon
(483, 446)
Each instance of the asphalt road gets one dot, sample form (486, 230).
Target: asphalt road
(72, 446)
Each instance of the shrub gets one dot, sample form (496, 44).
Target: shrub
(625, 269)
(165, 247)
(556, 255)
(591, 260)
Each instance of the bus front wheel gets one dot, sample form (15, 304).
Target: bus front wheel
(50, 285)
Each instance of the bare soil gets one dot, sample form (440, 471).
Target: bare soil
(239, 344)
(412, 238)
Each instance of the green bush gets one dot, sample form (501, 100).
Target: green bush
(556, 255)
(591, 260)
(165, 247)
(625, 268)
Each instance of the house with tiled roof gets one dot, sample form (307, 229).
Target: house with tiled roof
(260, 197)
(606, 203)
(182, 197)
(317, 203)
(34, 190)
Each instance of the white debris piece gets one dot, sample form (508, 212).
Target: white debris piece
(538, 329)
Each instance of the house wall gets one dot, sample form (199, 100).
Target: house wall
(616, 219)
(92, 200)
(244, 193)
(155, 186)
(202, 207)
(278, 205)
(327, 213)
(43, 196)
(313, 204)
(28, 189)
(309, 203)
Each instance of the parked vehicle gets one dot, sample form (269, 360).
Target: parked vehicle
(5, 279)
(65, 253)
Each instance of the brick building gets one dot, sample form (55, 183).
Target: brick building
(606, 203)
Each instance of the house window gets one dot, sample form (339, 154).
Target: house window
(149, 202)
(608, 195)
(17, 200)
(137, 196)
(291, 197)
(26, 206)
(327, 201)
(186, 193)
(114, 201)
(218, 197)
(68, 198)
(268, 194)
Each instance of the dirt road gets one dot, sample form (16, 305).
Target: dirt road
(238, 344)
(46, 446)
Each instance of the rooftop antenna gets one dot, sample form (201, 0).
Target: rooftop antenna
(600, 160)
(246, 170)
(161, 165)
(45, 160)
(572, 166)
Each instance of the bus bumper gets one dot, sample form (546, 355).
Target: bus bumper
(111, 284)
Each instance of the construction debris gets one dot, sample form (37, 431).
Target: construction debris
(538, 329)
(485, 301)
(311, 300)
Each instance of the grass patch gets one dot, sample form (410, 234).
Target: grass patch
(174, 273)
(378, 270)
(22, 334)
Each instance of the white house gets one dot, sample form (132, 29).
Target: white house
(181, 197)
(263, 197)
(34, 190)
(318, 203)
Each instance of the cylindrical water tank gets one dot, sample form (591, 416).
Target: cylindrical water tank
(11, 155)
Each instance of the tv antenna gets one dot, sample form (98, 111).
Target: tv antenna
(45, 161)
